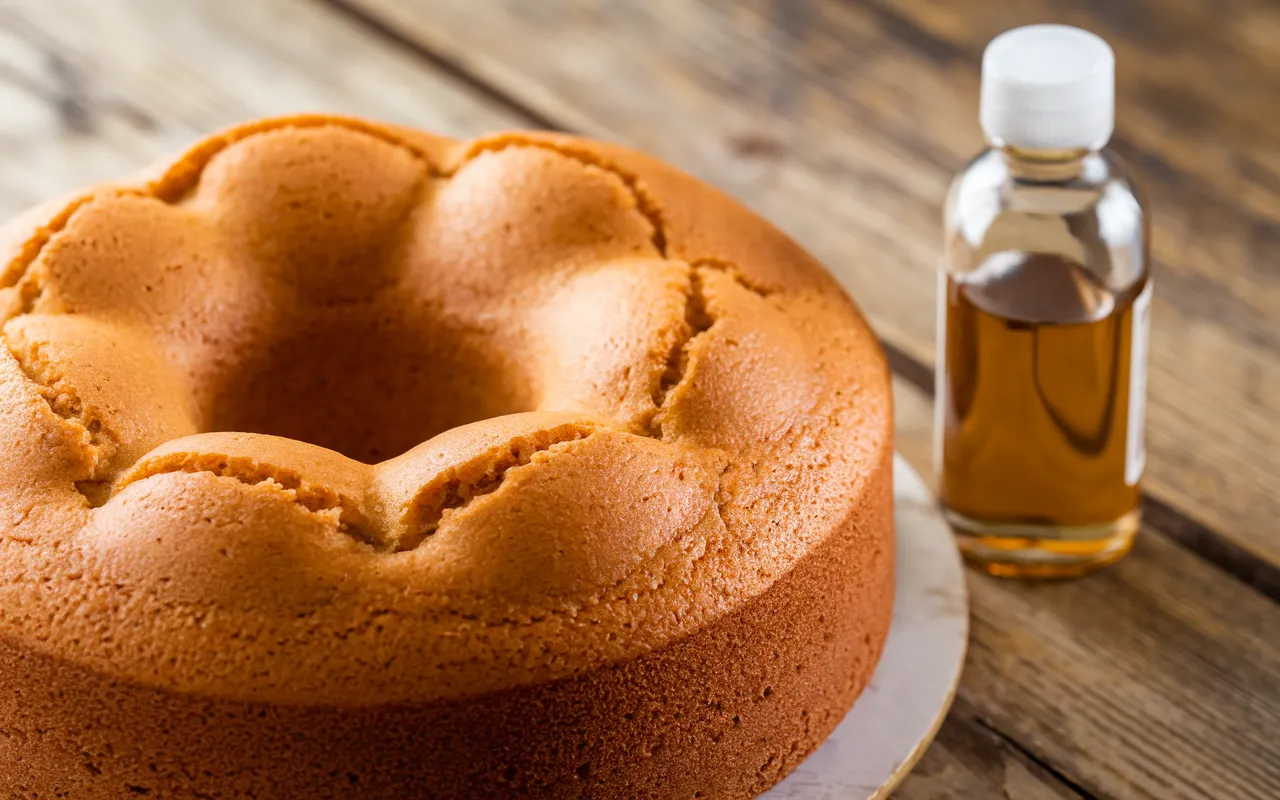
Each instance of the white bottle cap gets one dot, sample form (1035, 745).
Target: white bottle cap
(1048, 87)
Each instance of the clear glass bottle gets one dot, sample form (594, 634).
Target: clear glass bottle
(1043, 319)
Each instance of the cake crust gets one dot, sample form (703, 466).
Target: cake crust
(350, 456)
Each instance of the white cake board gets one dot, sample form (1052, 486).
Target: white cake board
(898, 715)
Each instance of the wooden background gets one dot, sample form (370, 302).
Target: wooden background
(842, 121)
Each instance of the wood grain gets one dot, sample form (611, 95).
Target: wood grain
(844, 122)
(93, 91)
(1124, 681)
(1155, 679)
(970, 760)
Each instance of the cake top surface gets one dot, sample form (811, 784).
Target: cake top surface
(332, 411)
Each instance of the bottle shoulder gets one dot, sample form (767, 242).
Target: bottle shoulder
(1094, 214)
(990, 179)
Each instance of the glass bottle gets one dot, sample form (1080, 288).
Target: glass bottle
(1043, 318)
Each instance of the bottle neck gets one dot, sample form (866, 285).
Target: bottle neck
(1045, 166)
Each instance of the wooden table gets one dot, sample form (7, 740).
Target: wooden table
(842, 122)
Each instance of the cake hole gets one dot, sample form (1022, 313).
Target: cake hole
(369, 380)
(95, 491)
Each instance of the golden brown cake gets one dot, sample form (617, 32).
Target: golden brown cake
(342, 460)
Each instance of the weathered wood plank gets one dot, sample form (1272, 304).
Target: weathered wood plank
(969, 760)
(146, 80)
(1125, 682)
(843, 122)
(94, 91)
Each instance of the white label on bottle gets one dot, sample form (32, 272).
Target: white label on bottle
(941, 396)
(1135, 448)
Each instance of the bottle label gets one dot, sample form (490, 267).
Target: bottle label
(1135, 448)
(940, 389)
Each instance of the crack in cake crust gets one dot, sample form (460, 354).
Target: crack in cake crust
(697, 321)
(454, 488)
(733, 271)
(100, 444)
(343, 511)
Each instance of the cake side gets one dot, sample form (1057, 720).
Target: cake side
(725, 712)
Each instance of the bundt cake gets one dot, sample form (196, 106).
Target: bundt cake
(343, 460)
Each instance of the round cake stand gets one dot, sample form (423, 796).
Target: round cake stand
(899, 713)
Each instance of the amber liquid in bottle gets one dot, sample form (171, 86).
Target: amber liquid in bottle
(1043, 318)
(1036, 438)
